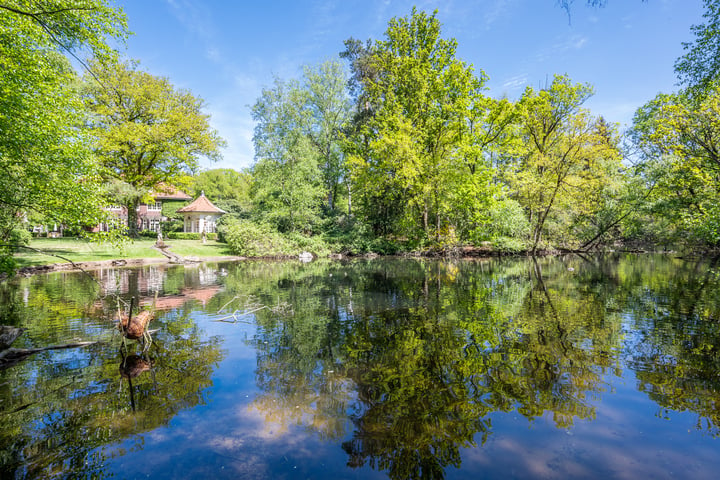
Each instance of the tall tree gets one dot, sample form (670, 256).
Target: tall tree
(44, 161)
(679, 139)
(145, 131)
(329, 107)
(679, 136)
(416, 98)
(287, 182)
(699, 68)
(568, 153)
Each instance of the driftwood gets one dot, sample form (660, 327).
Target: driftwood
(12, 356)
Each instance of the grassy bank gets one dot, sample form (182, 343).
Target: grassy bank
(78, 250)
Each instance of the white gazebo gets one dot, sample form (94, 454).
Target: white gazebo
(200, 216)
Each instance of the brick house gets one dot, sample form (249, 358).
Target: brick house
(149, 214)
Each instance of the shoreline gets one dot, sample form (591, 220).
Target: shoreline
(116, 263)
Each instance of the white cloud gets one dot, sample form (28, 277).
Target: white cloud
(515, 83)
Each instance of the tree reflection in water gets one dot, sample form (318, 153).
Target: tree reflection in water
(420, 355)
(402, 366)
(61, 412)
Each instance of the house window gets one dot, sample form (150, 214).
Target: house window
(156, 206)
(152, 224)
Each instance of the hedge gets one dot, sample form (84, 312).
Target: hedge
(190, 236)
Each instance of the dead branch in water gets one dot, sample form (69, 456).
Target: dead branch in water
(249, 307)
(12, 356)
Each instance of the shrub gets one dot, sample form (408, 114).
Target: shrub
(148, 233)
(303, 243)
(255, 240)
(171, 226)
(20, 236)
(509, 245)
(190, 236)
(507, 219)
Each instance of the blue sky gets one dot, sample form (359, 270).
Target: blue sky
(226, 51)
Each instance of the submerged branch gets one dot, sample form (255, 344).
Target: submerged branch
(13, 356)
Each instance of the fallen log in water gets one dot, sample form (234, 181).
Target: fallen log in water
(12, 356)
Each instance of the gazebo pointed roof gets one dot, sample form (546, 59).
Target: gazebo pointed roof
(200, 205)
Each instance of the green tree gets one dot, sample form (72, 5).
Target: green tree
(47, 170)
(698, 68)
(679, 137)
(145, 131)
(408, 156)
(287, 187)
(227, 188)
(329, 107)
(568, 156)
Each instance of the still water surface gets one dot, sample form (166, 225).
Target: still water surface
(601, 367)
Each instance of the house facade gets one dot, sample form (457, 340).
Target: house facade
(149, 215)
(200, 216)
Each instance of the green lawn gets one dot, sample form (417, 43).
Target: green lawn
(78, 250)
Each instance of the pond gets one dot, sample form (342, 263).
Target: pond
(568, 367)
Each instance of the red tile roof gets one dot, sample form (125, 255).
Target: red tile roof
(163, 191)
(200, 205)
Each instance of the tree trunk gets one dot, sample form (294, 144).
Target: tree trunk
(132, 217)
(425, 218)
(349, 200)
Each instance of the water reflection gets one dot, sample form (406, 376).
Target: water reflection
(391, 368)
(61, 412)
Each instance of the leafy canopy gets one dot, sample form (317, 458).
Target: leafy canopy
(145, 131)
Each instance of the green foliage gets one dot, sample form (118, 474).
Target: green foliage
(172, 226)
(567, 151)
(145, 131)
(678, 135)
(190, 236)
(147, 233)
(48, 172)
(507, 219)
(510, 245)
(416, 164)
(250, 239)
(350, 236)
(329, 111)
(287, 188)
(20, 236)
(698, 68)
(170, 208)
(224, 186)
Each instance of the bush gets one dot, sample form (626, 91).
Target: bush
(148, 234)
(350, 236)
(507, 219)
(250, 239)
(190, 236)
(20, 236)
(171, 226)
(509, 245)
